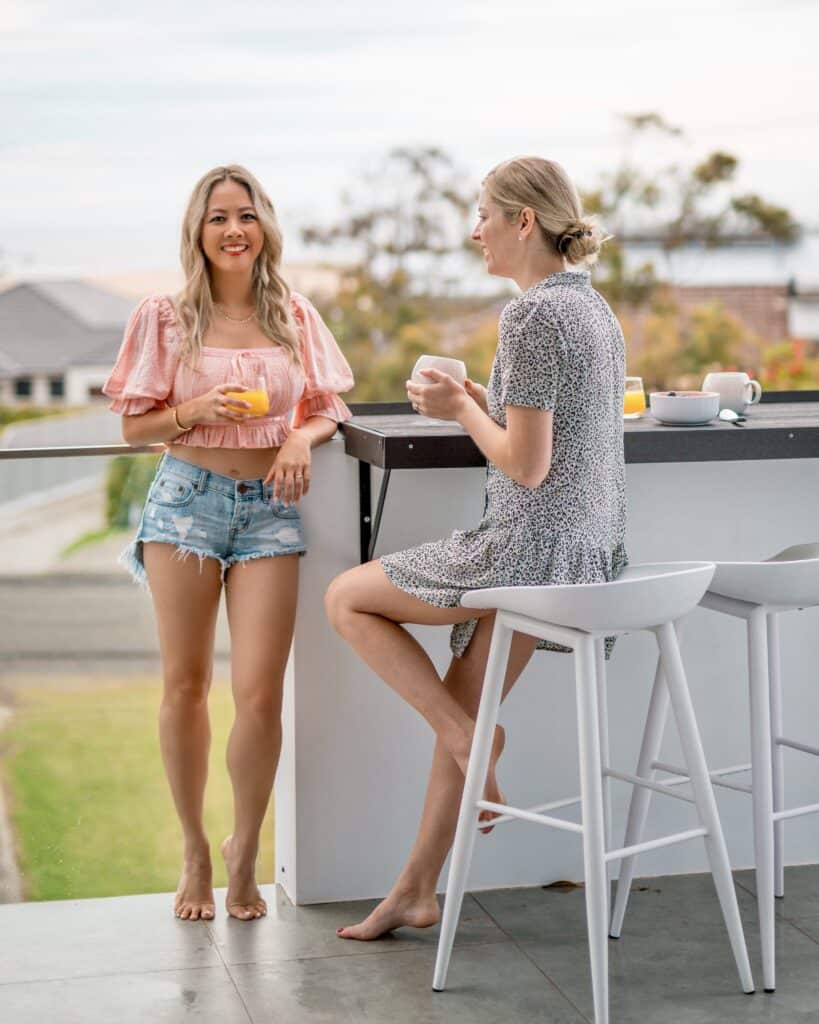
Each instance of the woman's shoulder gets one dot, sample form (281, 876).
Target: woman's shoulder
(156, 307)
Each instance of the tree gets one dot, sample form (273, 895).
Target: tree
(675, 206)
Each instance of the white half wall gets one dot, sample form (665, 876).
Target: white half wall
(355, 759)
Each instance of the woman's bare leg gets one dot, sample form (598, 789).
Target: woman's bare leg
(186, 602)
(261, 604)
(412, 900)
(366, 609)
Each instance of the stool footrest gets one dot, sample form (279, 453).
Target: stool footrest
(508, 813)
(796, 812)
(659, 787)
(782, 741)
(716, 776)
(655, 844)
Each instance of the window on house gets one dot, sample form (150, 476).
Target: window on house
(56, 387)
(23, 387)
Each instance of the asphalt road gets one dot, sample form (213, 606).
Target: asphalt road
(54, 623)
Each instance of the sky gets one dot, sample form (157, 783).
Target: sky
(109, 113)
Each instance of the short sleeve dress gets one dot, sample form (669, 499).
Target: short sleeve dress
(560, 347)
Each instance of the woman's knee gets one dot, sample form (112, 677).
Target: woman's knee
(260, 703)
(339, 600)
(186, 687)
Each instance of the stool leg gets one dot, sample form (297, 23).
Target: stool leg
(640, 797)
(473, 787)
(704, 796)
(594, 829)
(762, 788)
(778, 759)
(605, 759)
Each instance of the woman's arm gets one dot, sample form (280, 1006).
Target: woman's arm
(160, 424)
(522, 450)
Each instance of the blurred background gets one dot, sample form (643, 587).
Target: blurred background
(690, 131)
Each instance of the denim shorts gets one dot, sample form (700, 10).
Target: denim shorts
(212, 516)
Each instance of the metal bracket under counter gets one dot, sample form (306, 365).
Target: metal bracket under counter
(389, 435)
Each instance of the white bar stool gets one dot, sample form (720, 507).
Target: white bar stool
(644, 597)
(757, 592)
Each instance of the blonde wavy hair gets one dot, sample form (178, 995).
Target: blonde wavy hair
(545, 187)
(194, 303)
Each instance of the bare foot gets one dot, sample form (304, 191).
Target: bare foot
(194, 897)
(397, 910)
(243, 901)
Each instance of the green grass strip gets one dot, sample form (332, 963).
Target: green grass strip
(90, 807)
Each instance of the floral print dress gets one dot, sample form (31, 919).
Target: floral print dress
(560, 347)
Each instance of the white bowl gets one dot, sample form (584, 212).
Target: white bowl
(684, 408)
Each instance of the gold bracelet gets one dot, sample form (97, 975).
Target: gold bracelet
(179, 427)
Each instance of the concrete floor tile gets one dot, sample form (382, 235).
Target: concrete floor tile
(673, 962)
(206, 996)
(491, 984)
(70, 938)
(291, 933)
(801, 891)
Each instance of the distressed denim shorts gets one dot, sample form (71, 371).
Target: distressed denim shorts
(212, 516)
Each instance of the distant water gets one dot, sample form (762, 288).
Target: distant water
(752, 263)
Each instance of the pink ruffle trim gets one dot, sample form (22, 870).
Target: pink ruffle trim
(269, 434)
(135, 406)
(330, 406)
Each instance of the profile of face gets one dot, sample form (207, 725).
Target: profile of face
(497, 236)
(232, 236)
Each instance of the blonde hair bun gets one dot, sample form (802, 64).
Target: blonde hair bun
(544, 187)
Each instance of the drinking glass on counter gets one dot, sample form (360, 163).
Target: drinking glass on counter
(634, 399)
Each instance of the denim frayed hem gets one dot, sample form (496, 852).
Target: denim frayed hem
(131, 559)
(253, 555)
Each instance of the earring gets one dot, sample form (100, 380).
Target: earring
(520, 238)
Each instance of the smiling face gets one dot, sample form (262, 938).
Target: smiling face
(497, 236)
(232, 236)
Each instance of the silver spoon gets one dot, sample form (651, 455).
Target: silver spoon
(731, 417)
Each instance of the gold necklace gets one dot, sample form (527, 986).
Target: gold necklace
(235, 319)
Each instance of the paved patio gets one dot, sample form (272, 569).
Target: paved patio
(520, 958)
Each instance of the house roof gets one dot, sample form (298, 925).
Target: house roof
(47, 326)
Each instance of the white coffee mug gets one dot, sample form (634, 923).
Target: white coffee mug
(454, 367)
(736, 390)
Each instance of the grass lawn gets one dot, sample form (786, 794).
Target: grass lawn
(90, 808)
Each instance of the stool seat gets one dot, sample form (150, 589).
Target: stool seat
(641, 597)
(789, 579)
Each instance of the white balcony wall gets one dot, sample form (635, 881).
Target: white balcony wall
(355, 759)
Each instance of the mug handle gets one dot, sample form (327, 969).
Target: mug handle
(756, 391)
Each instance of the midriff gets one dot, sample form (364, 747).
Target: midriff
(238, 463)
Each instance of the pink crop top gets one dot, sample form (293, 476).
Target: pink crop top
(149, 374)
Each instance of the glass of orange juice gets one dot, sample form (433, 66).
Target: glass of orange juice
(634, 399)
(248, 373)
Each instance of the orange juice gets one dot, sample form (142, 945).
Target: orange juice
(634, 402)
(258, 399)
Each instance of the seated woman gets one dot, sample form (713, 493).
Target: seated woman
(221, 509)
(551, 427)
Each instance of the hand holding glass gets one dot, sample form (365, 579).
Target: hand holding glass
(247, 372)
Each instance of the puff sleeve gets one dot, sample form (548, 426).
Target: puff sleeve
(533, 361)
(326, 370)
(144, 372)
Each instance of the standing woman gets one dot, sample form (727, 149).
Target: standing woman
(221, 509)
(551, 427)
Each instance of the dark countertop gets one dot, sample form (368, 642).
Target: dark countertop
(785, 425)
